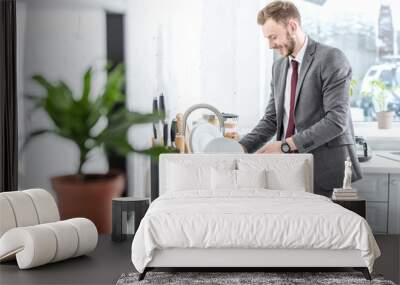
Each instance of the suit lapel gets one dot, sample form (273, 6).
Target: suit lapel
(305, 66)
(281, 94)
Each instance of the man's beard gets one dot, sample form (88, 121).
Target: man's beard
(291, 44)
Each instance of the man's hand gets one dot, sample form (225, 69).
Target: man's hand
(291, 143)
(274, 147)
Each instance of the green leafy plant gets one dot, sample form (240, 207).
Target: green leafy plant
(379, 93)
(80, 119)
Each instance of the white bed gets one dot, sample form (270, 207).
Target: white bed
(202, 220)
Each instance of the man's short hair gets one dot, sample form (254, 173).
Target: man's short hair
(280, 12)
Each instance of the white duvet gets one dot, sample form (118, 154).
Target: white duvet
(250, 219)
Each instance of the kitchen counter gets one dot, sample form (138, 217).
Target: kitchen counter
(380, 187)
(378, 164)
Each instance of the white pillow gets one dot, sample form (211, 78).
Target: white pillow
(228, 179)
(223, 179)
(183, 177)
(292, 179)
(282, 174)
(251, 178)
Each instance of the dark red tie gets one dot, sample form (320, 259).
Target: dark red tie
(293, 84)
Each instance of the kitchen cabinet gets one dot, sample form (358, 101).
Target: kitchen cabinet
(382, 193)
(380, 187)
(394, 204)
(374, 188)
(377, 216)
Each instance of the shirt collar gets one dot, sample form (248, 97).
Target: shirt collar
(302, 51)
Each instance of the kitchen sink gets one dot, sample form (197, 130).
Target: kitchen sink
(393, 155)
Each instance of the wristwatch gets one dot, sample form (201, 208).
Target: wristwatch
(285, 147)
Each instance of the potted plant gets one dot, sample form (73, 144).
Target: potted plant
(379, 93)
(89, 194)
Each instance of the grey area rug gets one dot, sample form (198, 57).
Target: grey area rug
(229, 278)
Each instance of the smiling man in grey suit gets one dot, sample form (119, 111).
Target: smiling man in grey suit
(308, 109)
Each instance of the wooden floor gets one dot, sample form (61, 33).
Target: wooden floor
(110, 260)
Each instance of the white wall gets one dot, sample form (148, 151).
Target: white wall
(59, 42)
(196, 51)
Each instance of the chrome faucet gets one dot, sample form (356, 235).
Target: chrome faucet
(204, 106)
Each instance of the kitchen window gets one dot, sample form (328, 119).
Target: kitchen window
(369, 34)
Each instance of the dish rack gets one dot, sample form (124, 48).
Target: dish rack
(201, 106)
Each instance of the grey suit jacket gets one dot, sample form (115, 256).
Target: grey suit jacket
(322, 114)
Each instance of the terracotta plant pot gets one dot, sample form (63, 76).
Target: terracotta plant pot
(89, 196)
(385, 119)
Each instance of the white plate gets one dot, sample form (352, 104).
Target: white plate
(223, 145)
(201, 135)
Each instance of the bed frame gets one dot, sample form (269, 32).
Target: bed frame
(240, 259)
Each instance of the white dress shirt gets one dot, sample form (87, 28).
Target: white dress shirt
(286, 106)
